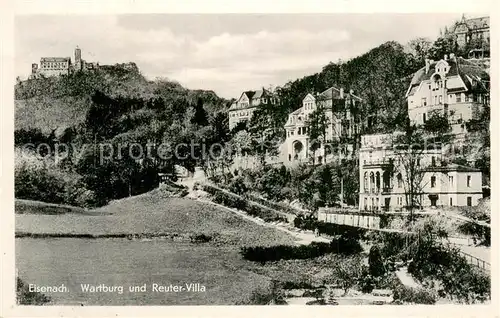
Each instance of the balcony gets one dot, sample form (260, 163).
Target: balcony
(382, 163)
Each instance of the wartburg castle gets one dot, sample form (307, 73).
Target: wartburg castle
(56, 66)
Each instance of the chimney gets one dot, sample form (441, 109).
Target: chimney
(427, 65)
(341, 92)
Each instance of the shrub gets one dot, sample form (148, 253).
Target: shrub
(297, 285)
(38, 183)
(375, 261)
(238, 186)
(200, 238)
(415, 295)
(311, 223)
(284, 252)
(272, 295)
(26, 297)
(367, 283)
(346, 245)
(479, 232)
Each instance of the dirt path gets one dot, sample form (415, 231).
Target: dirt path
(303, 238)
(406, 279)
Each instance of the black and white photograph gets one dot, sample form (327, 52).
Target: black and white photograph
(314, 159)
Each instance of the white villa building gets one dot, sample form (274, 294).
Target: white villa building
(339, 107)
(384, 183)
(243, 108)
(451, 86)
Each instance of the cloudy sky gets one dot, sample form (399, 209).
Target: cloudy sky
(225, 53)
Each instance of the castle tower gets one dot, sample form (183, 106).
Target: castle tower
(78, 58)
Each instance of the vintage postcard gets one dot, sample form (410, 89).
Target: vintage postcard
(301, 160)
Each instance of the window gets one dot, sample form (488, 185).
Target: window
(433, 162)
(424, 117)
(424, 101)
(468, 181)
(400, 180)
(450, 181)
(289, 157)
(451, 201)
(469, 201)
(459, 98)
(467, 98)
(418, 162)
(433, 182)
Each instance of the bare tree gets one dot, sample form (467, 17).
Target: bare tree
(409, 150)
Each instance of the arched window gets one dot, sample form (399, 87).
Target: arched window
(365, 181)
(377, 180)
(400, 180)
(372, 181)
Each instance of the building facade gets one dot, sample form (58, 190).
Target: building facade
(243, 108)
(57, 66)
(474, 34)
(387, 175)
(453, 87)
(343, 125)
(52, 66)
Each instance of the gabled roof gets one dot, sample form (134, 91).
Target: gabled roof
(473, 24)
(470, 73)
(249, 94)
(256, 94)
(334, 93)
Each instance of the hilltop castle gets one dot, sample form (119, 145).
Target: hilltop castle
(56, 66)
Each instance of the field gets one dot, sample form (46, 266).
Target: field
(151, 214)
(121, 262)
(72, 261)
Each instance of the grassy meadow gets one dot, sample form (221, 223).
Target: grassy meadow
(228, 278)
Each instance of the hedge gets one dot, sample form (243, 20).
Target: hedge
(273, 205)
(332, 229)
(285, 252)
(415, 295)
(343, 245)
(235, 201)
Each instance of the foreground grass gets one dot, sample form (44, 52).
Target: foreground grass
(150, 214)
(131, 263)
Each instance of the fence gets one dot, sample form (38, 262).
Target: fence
(356, 220)
(482, 265)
